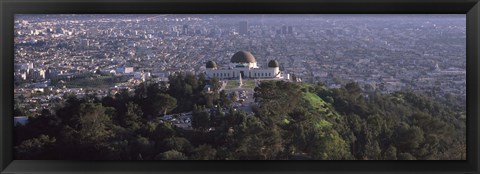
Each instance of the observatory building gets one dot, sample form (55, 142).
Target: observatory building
(243, 64)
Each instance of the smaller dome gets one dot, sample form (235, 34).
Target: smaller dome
(211, 64)
(273, 64)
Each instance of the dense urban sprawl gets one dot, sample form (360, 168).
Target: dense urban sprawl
(55, 53)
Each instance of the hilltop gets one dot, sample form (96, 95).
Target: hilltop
(289, 120)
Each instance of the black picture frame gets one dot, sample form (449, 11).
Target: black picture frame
(8, 8)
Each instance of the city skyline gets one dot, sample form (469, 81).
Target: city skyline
(263, 46)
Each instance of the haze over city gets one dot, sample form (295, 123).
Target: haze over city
(420, 52)
(295, 75)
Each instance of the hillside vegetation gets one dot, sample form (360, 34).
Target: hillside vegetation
(290, 121)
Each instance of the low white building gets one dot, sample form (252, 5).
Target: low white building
(243, 64)
(124, 70)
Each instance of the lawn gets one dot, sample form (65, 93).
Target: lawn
(249, 83)
(231, 84)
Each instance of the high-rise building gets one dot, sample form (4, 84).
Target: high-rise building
(85, 43)
(243, 28)
(30, 65)
(23, 66)
(37, 74)
(185, 29)
(51, 73)
(284, 29)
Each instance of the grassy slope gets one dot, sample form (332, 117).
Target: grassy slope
(320, 105)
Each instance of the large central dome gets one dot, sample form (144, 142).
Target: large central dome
(243, 57)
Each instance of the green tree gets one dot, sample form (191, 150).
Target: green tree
(164, 130)
(143, 148)
(234, 97)
(191, 80)
(390, 153)
(217, 118)
(224, 100)
(200, 118)
(201, 81)
(18, 112)
(372, 150)
(299, 137)
(408, 138)
(132, 119)
(149, 129)
(204, 152)
(177, 143)
(209, 102)
(353, 88)
(405, 156)
(215, 82)
(39, 148)
(91, 124)
(164, 103)
(272, 144)
(171, 155)
(327, 145)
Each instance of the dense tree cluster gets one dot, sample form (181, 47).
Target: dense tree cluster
(290, 121)
(401, 125)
